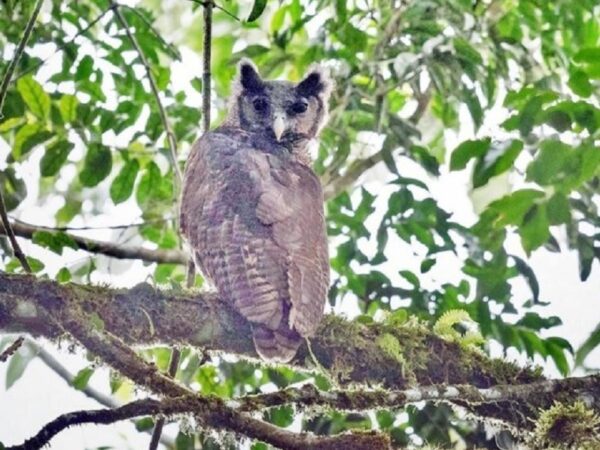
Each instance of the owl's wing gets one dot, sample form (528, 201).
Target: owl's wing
(291, 201)
(218, 217)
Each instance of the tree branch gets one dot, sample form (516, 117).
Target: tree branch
(350, 351)
(187, 404)
(114, 250)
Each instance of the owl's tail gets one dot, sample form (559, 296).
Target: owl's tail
(278, 345)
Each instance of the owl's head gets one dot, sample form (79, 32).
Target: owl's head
(288, 112)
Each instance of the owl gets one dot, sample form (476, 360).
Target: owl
(252, 208)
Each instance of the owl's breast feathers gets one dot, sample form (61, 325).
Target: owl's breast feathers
(254, 218)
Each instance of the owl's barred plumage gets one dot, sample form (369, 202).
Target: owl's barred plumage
(252, 209)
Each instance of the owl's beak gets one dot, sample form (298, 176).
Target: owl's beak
(278, 127)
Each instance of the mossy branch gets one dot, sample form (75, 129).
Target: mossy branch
(350, 352)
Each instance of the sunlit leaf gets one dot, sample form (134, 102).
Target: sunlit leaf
(34, 96)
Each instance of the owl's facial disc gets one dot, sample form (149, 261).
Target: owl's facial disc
(289, 113)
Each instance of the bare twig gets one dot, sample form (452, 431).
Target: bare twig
(11, 349)
(161, 110)
(3, 91)
(112, 249)
(99, 227)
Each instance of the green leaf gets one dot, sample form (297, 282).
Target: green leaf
(586, 348)
(54, 241)
(80, 381)
(497, 161)
(534, 231)
(148, 183)
(63, 275)
(35, 264)
(529, 114)
(11, 123)
(122, 186)
(467, 51)
(467, 150)
(556, 349)
(558, 209)
(586, 255)
(579, 83)
(85, 68)
(16, 367)
(589, 55)
(144, 424)
(474, 107)
(257, 10)
(512, 208)
(68, 107)
(282, 416)
(184, 441)
(13, 188)
(549, 162)
(34, 96)
(54, 158)
(527, 272)
(97, 165)
(28, 136)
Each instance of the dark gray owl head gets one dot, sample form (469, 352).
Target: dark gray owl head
(288, 112)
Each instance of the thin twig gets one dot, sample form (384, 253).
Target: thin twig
(99, 227)
(161, 110)
(168, 256)
(3, 91)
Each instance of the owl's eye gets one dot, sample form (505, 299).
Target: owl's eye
(260, 105)
(299, 107)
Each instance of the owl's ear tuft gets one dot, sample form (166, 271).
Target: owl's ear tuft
(248, 76)
(317, 83)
